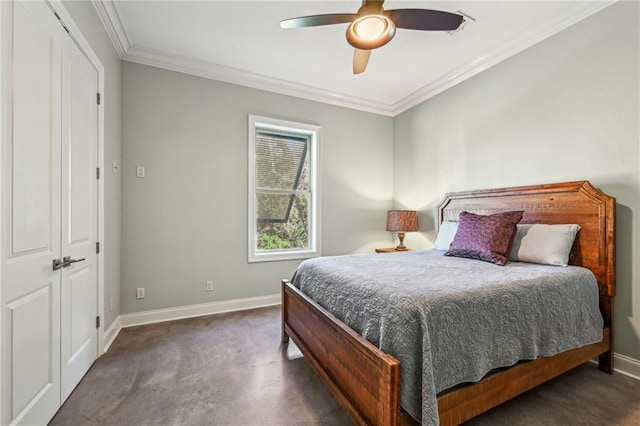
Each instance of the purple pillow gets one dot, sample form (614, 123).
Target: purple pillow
(487, 238)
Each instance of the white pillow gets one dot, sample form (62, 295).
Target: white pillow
(446, 233)
(545, 244)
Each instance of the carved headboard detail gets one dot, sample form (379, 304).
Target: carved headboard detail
(558, 203)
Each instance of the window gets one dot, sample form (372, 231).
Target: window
(284, 210)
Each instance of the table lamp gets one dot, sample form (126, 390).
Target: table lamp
(402, 221)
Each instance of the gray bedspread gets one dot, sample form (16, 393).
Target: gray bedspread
(450, 320)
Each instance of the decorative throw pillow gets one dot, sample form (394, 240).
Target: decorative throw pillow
(446, 233)
(487, 238)
(545, 244)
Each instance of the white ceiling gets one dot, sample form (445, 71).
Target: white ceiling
(241, 42)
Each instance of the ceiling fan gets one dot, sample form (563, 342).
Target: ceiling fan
(372, 26)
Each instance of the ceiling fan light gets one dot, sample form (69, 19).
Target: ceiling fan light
(370, 28)
(370, 31)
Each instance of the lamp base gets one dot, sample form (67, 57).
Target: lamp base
(401, 247)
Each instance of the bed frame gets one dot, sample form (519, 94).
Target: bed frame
(366, 381)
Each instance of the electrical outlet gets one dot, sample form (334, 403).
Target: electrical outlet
(111, 304)
(209, 286)
(140, 293)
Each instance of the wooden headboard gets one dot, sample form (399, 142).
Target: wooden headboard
(557, 203)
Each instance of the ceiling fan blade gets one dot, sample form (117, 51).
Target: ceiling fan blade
(360, 60)
(424, 19)
(317, 20)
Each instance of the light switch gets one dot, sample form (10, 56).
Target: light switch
(139, 171)
(115, 167)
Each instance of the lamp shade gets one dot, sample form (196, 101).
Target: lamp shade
(402, 221)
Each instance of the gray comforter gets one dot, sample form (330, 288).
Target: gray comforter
(450, 320)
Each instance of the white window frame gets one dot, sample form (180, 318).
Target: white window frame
(313, 132)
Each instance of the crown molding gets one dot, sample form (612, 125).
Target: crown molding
(110, 18)
(226, 74)
(108, 13)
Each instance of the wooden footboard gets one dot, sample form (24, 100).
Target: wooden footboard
(364, 380)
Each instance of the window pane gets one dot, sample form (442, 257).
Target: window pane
(274, 208)
(289, 234)
(280, 162)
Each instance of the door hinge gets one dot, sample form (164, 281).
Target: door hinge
(97, 322)
(98, 247)
(98, 173)
(98, 98)
(60, 19)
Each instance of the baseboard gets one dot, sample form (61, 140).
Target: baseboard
(170, 314)
(626, 365)
(111, 333)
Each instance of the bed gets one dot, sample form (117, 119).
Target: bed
(366, 381)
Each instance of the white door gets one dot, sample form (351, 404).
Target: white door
(49, 211)
(79, 215)
(30, 213)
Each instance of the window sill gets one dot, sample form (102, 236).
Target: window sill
(283, 255)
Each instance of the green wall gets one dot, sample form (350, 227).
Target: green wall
(186, 221)
(565, 109)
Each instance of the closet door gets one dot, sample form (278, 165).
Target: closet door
(79, 215)
(49, 133)
(31, 47)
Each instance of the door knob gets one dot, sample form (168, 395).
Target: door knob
(67, 261)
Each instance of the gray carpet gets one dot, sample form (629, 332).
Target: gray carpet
(230, 369)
